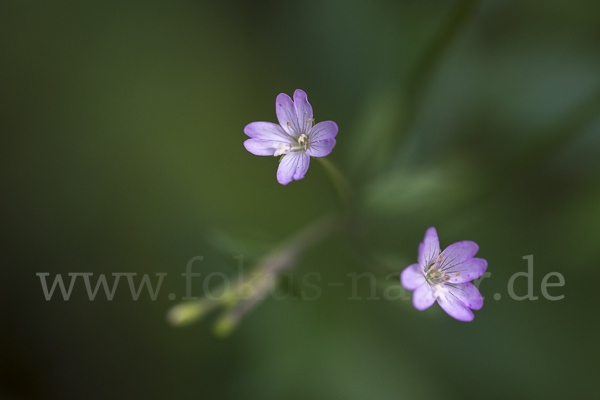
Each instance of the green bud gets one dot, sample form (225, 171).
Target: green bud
(185, 313)
(225, 326)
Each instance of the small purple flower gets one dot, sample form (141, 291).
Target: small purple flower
(296, 138)
(445, 276)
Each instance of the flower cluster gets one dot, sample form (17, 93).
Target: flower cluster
(442, 276)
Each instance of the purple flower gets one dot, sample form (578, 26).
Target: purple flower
(296, 138)
(445, 276)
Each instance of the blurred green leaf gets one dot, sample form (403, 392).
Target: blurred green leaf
(406, 191)
(382, 120)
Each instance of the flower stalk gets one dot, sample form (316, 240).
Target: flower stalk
(245, 295)
(340, 184)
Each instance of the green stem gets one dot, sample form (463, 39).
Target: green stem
(245, 295)
(433, 53)
(420, 76)
(337, 179)
(267, 273)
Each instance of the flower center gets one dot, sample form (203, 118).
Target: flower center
(303, 141)
(301, 144)
(434, 274)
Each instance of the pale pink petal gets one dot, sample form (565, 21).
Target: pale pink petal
(455, 308)
(304, 111)
(260, 147)
(286, 114)
(459, 252)
(412, 277)
(423, 297)
(467, 293)
(321, 148)
(324, 130)
(266, 131)
(292, 167)
(429, 249)
(465, 271)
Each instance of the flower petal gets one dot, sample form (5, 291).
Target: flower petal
(260, 147)
(468, 294)
(292, 167)
(455, 308)
(429, 248)
(323, 131)
(304, 110)
(321, 148)
(412, 277)
(286, 114)
(423, 297)
(266, 131)
(458, 252)
(466, 271)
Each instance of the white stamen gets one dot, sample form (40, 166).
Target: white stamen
(440, 292)
(303, 140)
(281, 148)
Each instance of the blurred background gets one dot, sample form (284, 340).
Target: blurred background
(122, 130)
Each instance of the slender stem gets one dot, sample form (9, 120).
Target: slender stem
(337, 179)
(433, 53)
(309, 235)
(266, 275)
(242, 297)
(420, 76)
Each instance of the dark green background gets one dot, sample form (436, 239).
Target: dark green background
(122, 129)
